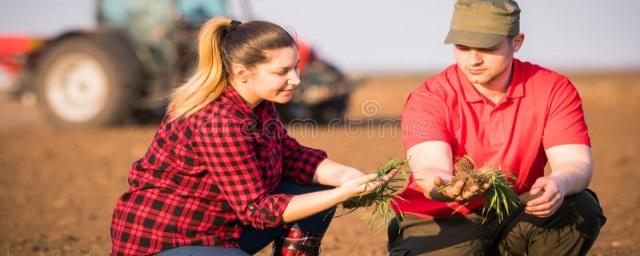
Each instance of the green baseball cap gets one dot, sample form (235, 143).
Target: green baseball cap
(483, 23)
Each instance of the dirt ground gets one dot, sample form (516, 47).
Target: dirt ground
(58, 187)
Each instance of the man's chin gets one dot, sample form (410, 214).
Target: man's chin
(478, 80)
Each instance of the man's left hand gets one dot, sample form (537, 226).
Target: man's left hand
(545, 205)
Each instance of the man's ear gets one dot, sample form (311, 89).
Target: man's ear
(518, 40)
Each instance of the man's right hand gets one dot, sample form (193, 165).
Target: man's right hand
(432, 165)
(455, 192)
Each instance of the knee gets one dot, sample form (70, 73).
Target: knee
(585, 203)
(327, 215)
(589, 214)
(573, 228)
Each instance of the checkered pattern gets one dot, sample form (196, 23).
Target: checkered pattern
(205, 177)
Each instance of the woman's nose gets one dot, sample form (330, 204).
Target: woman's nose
(294, 79)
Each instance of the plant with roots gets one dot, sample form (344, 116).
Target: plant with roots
(498, 195)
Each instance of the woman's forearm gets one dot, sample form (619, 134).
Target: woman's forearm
(332, 173)
(301, 206)
(305, 205)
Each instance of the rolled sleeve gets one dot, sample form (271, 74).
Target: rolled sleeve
(299, 163)
(229, 153)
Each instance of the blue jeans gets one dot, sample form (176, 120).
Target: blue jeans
(196, 250)
(253, 240)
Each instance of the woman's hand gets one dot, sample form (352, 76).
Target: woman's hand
(349, 173)
(304, 205)
(358, 186)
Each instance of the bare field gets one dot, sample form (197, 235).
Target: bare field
(58, 188)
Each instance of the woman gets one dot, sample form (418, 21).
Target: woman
(222, 177)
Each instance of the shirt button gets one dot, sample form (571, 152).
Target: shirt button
(251, 207)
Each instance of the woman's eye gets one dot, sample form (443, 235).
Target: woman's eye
(281, 72)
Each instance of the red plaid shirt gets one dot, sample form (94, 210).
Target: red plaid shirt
(205, 177)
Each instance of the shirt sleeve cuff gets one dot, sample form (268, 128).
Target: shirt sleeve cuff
(282, 201)
(269, 214)
(548, 143)
(310, 161)
(408, 143)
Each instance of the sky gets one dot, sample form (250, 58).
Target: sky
(404, 36)
(407, 35)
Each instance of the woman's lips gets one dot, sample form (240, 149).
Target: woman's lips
(287, 92)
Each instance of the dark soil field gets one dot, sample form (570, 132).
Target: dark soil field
(58, 187)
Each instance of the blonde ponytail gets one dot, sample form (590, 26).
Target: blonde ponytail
(209, 79)
(244, 44)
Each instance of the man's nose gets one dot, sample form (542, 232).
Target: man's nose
(475, 57)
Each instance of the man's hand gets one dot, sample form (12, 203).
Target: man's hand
(458, 191)
(553, 192)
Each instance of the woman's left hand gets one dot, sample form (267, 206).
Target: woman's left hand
(350, 174)
(365, 184)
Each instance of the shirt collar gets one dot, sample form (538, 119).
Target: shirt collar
(515, 89)
(239, 106)
(468, 91)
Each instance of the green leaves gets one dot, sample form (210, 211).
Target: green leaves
(380, 200)
(500, 197)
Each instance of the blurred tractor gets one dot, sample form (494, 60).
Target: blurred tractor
(138, 51)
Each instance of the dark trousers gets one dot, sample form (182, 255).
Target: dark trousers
(253, 240)
(572, 230)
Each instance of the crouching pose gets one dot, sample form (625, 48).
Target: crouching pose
(502, 112)
(222, 176)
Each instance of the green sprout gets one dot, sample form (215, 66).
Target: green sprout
(381, 199)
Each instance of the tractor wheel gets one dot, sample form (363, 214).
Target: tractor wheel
(87, 81)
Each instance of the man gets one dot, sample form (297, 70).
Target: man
(504, 113)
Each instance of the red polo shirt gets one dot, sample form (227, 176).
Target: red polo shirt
(541, 109)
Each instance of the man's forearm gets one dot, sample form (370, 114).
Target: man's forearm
(574, 175)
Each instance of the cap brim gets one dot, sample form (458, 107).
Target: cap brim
(473, 39)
